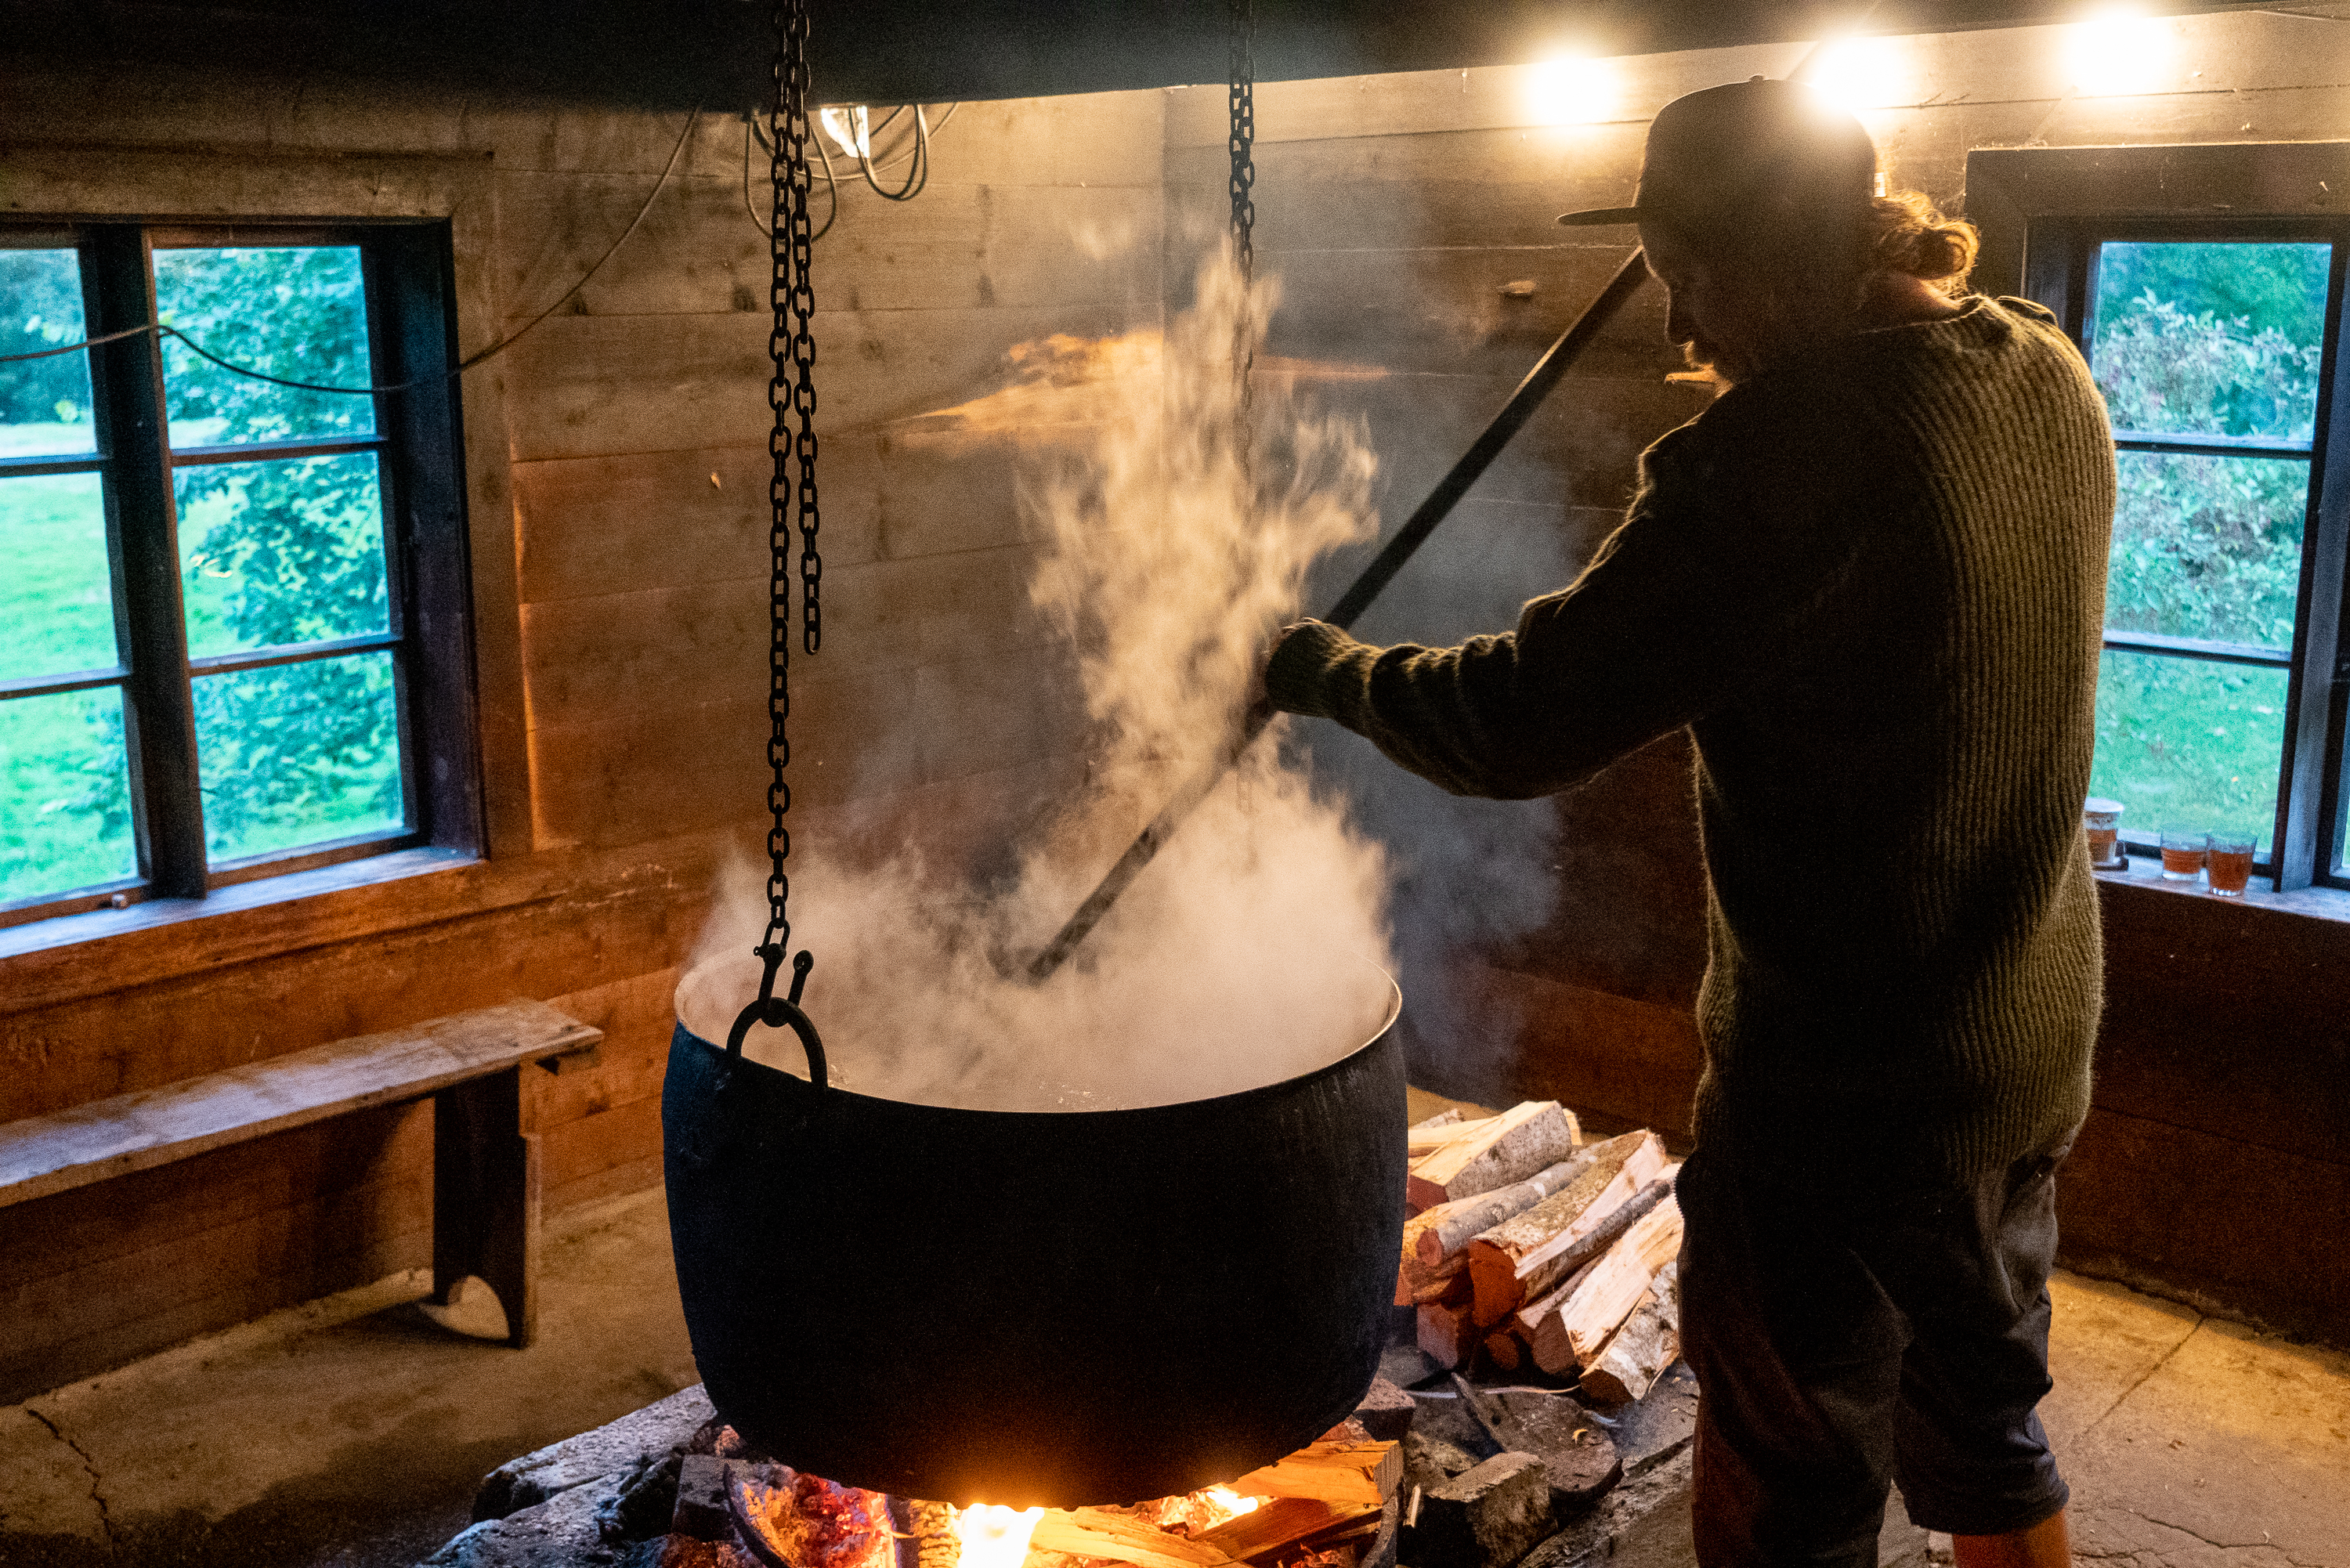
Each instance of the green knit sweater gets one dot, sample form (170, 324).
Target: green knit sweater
(1870, 584)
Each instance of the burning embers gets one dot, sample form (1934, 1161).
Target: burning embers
(1323, 1507)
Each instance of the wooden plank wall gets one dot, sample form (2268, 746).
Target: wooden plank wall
(1549, 948)
(1554, 947)
(632, 432)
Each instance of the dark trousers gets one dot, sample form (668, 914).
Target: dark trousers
(1843, 1335)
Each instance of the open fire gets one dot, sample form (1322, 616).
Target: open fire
(1323, 1507)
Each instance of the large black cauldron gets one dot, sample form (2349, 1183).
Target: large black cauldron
(1058, 1308)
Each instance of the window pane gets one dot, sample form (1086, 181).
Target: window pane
(44, 403)
(2205, 338)
(276, 553)
(56, 593)
(298, 755)
(2188, 742)
(298, 312)
(65, 795)
(2207, 547)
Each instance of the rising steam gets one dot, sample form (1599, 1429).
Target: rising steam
(1252, 950)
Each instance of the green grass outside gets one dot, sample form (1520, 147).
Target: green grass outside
(2185, 743)
(63, 763)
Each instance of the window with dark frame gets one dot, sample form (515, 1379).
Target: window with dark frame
(2211, 319)
(235, 612)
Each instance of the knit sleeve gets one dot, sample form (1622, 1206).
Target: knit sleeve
(1730, 547)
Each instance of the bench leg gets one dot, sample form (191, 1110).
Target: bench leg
(485, 1193)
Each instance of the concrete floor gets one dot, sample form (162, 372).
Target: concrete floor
(352, 1432)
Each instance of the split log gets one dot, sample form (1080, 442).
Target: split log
(1450, 1289)
(1411, 1273)
(1283, 1521)
(1333, 1473)
(1550, 1274)
(1437, 1233)
(1446, 1334)
(1570, 1333)
(1415, 1277)
(1503, 1349)
(1434, 1133)
(1508, 1148)
(1121, 1538)
(1636, 1354)
(1506, 1259)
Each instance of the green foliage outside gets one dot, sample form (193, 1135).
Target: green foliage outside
(46, 401)
(2215, 340)
(273, 551)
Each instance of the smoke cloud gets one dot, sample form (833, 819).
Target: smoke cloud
(1254, 948)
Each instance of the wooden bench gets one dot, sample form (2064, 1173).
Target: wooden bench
(485, 1158)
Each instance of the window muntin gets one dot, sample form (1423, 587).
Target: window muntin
(269, 522)
(2210, 354)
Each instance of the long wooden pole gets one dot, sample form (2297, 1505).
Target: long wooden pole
(1548, 372)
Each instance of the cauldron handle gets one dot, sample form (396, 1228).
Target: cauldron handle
(781, 1012)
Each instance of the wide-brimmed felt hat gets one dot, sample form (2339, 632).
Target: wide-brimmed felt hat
(1758, 144)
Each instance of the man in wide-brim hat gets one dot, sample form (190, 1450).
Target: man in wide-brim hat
(1868, 580)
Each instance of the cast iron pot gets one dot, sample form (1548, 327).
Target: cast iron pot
(1058, 1308)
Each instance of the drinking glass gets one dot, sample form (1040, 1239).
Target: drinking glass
(2183, 849)
(2231, 863)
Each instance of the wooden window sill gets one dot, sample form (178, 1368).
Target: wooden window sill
(96, 925)
(2145, 873)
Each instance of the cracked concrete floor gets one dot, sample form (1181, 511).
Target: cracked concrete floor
(354, 1438)
(352, 1432)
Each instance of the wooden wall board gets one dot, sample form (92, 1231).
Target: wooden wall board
(696, 251)
(1634, 1061)
(2223, 1017)
(1082, 140)
(579, 1150)
(106, 1290)
(856, 733)
(591, 527)
(615, 1179)
(55, 1234)
(625, 654)
(2229, 1227)
(911, 493)
(1443, 310)
(635, 1015)
(700, 380)
(699, 768)
(47, 978)
(700, 251)
(1581, 449)
(1412, 103)
(995, 245)
(159, 1034)
(93, 1277)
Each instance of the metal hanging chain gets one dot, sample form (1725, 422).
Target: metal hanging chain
(792, 444)
(1242, 144)
(1243, 141)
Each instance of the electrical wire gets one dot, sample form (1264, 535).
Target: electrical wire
(165, 330)
(869, 166)
(916, 178)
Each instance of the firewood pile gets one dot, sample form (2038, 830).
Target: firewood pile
(1532, 1254)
